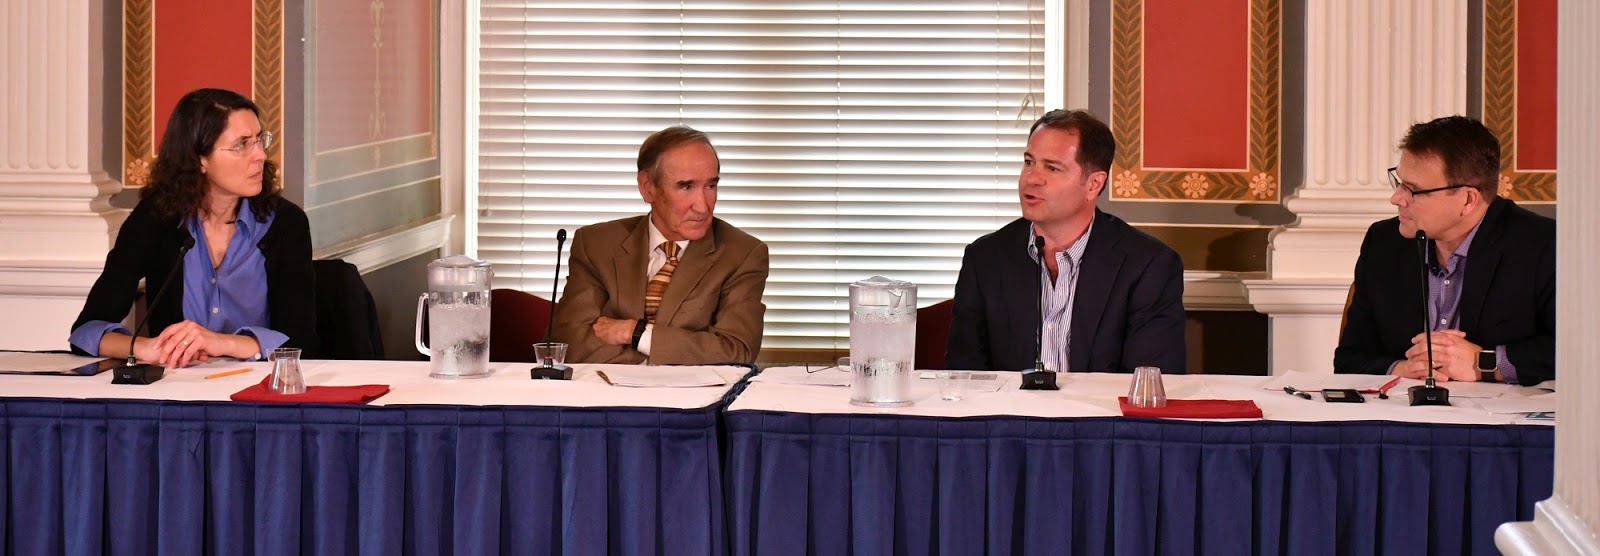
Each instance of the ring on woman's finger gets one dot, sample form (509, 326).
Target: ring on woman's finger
(185, 342)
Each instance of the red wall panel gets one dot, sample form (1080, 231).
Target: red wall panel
(1536, 85)
(199, 43)
(1196, 84)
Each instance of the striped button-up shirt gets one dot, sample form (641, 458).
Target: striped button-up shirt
(1056, 299)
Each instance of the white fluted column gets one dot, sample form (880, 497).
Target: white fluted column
(1567, 523)
(1373, 68)
(56, 223)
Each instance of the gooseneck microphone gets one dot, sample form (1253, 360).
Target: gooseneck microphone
(1429, 393)
(1038, 327)
(134, 372)
(548, 369)
(1040, 378)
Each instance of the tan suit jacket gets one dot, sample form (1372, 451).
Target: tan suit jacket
(711, 312)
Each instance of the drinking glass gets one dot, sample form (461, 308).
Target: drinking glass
(1146, 389)
(953, 384)
(555, 352)
(286, 377)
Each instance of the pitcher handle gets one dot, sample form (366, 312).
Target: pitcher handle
(421, 306)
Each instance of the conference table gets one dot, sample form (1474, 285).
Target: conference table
(1030, 472)
(501, 464)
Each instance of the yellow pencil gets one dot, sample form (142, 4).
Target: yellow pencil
(227, 373)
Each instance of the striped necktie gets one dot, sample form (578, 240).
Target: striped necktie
(658, 283)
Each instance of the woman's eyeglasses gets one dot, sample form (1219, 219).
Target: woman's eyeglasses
(245, 144)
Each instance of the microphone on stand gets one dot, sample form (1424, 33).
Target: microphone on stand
(1040, 378)
(1429, 392)
(134, 372)
(548, 369)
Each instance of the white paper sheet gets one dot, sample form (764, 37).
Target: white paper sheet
(982, 381)
(1529, 404)
(1462, 390)
(808, 376)
(1317, 382)
(654, 376)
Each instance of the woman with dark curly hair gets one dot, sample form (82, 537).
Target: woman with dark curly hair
(247, 286)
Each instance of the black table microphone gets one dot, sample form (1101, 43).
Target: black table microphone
(1429, 392)
(134, 372)
(548, 369)
(1040, 378)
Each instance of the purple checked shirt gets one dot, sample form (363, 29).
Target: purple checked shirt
(1444, 300)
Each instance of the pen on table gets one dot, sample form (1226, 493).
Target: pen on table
(227, 373)
(603, 376)
(1291, 391)
(1383, 391)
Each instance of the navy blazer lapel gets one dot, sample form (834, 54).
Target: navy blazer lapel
(631, 261)
(1022, 292)
(1098, 275)
(1483, 258)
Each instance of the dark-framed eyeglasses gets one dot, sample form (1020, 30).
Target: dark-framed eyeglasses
(1394, 182)
(246, 143)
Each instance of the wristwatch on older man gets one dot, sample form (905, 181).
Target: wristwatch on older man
(1488, 363)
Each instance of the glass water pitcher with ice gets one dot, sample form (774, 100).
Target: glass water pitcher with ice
(883, 341)
(457, 306)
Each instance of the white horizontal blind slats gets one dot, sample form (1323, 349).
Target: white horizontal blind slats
(856, 138)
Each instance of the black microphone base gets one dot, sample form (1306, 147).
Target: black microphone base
(142, 373)
(1039, 380)
(1429, 395)
(550, 372)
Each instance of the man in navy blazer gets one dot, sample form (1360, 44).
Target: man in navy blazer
(1114, 299)
(1491, 269)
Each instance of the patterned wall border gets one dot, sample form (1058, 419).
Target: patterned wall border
(1500, 103)
(138, 67)
(1260, 182)
(266, 76)
(138, 81)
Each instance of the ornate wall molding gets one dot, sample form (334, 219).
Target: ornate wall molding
(267, 69)
(138, 90)
(1501, 79)
(1259, 181)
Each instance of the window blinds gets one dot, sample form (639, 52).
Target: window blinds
(856, 138)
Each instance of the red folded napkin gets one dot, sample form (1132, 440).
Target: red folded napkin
(1195, 409)
(314, 394)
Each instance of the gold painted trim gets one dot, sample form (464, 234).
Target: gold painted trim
(267, 71)
(1261, 182)
(1500, 104)
(138, 67)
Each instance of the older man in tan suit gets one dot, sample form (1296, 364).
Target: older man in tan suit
(675, 286)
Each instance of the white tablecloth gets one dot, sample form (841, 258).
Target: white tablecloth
(507, 384)
(1095, 395)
